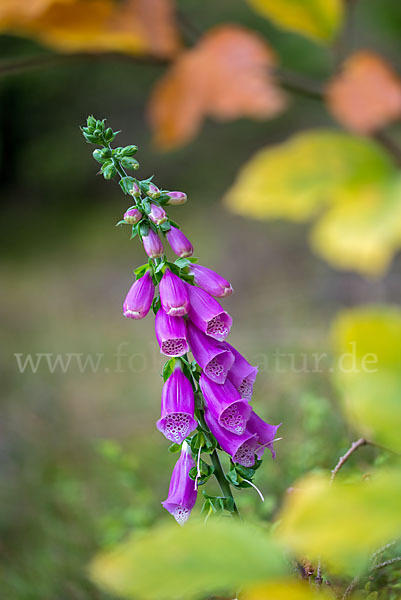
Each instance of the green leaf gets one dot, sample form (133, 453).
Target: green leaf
(347, 183)
(198, 560)
(317, 19)
(367, 344)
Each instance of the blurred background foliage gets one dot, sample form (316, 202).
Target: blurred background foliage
(81, 461)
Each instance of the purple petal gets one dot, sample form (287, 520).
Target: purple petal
(211, 355)
(171, 334)
(225, 404)
(207, 314)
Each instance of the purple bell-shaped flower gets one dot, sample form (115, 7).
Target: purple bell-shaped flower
(177, 413)
(241, 448)
(225, 404)
(207, 314)
(182, 493)
(242, 374)
(212, 356)
(171, 334)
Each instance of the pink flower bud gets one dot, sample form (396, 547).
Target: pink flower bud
(139, 299)
(135, 191)
(152, 244)
(180, 245)
(173, 295)
(176, 198)
(211, 282)
(132, 216)
(153, 191)
(157, 214)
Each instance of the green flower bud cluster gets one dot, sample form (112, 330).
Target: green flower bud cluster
(113, 160)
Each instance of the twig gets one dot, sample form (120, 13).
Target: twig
(386, 563)
(343, 459)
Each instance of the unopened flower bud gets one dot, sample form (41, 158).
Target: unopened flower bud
(173, 295)
(132, 216)
(140, 297)
(130, 163)
(109, 171)
(135, 190)
(152, 244)
(176, 198)
(180, 245)
(210, 281)
(157, 214)
(153, 191)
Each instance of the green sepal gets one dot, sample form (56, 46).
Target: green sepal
(134, 231)
(91, 121)
(144, 184)
(182, 262)
(165, 226)
(141, 270)
(206, 471)
(163, 198)
(153, 226)
(175, 224)
(160, 267)
(108, 134)
(174, 448)
(156, 304)
(168, 368)
(121, 223)
(106, 153)
(126, 184)
(98, 156)
(146, 206)
(91, 139)
(144, 228)
(197, 441)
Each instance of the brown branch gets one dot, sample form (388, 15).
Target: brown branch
(355, 445)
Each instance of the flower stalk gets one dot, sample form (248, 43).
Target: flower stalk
(205, 406)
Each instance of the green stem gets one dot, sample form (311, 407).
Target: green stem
(223, 483)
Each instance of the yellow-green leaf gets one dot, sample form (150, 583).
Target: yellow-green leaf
(367, 342)
(351, 178)
(342, 523)
(198, 559)
(286, 589)
(317, 19)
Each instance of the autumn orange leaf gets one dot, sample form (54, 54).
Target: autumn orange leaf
(226, 76)
(132, 26)
(366, 95)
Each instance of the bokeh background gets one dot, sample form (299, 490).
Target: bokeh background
(82, 463)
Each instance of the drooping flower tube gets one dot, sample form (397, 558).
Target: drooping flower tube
(182, 493)
(266, 433)
(139, 298)
(173, 295)
(132, 216)
(177, 412)
(212, 356)
(171, 334)
(241, 448)
(210, 281)
(207, 314)
(180, 245)
(242, 374)
(157, 214)
(226, 405)
(176, 198)
(152, 244)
